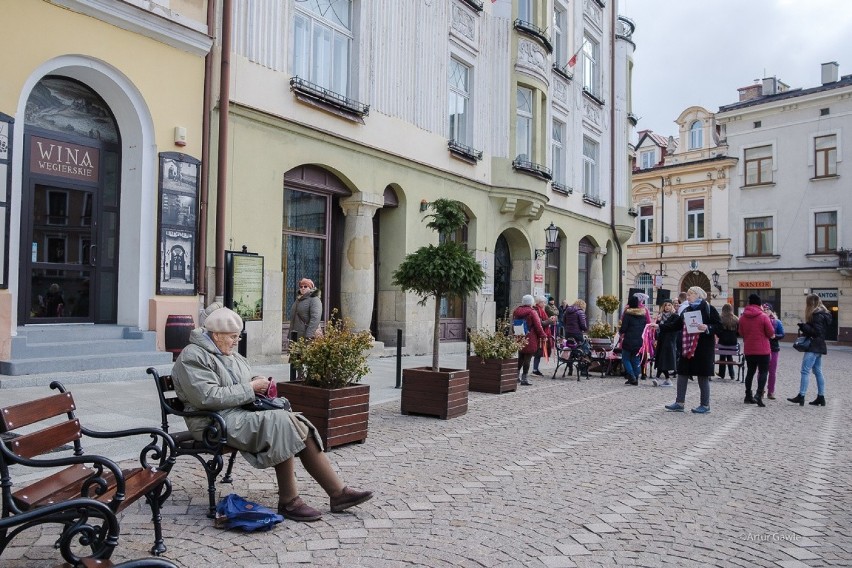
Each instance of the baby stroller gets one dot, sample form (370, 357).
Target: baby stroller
(573, 355)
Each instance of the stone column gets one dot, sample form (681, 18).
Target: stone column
(358, 266)
(595, 284)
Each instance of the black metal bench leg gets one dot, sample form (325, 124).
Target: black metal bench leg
(155, 499)
(212, 468)
(227, 478)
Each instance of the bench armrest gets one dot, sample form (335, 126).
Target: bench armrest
(161, 449)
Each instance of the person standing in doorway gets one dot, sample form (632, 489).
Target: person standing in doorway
(756, 331)
(816, 325)
(306, 313)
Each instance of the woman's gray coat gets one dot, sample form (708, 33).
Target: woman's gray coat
(306, 314)
(207, 380)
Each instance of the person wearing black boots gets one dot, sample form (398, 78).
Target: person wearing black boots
(756, 331)
(815, 326)
(631, 328)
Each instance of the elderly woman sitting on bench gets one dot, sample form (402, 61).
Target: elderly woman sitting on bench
(211, 375)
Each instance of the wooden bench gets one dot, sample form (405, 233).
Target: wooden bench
(87, 493)
(736, 355)
(208, 451)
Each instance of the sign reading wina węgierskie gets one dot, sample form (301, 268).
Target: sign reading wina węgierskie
(64, 159)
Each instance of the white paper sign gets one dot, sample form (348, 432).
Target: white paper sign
(691, 321)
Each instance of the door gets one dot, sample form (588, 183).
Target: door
(61, 235)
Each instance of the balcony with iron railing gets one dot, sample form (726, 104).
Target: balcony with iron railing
(328, 98)
(534, 31)
(844, 261)
(463, 152)
(537, 170)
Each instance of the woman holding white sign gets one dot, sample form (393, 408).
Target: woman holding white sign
(698, 321)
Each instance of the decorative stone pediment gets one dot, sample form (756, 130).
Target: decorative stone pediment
(533, 59)
(464, 26)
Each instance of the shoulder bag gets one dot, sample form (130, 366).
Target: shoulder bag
(802, 343)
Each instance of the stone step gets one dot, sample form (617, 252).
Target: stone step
(57, 333)
(84, 377)
(22, 349)
(85, 363)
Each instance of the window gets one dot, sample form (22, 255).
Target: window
(758, 236)
(322, 40)
(560, 41)
(459, 103)
(558, 152)
(591, 73)
(648, 158)
(695, 219)
(696, 135)
(646, 224)
(825, 156)
(523, 134)
(758, 165)
(525, 10)
(825, 238)
(645, 282)
(590, 168)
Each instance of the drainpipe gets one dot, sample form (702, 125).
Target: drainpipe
(612, 166)
(222, 159)
(201, 274)
(662, 220)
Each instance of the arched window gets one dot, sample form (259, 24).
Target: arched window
(696, 135)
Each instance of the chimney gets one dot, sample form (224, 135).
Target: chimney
(749, 93)
(770, 86)
(829, 72)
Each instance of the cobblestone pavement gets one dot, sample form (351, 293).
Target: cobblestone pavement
(559, 474)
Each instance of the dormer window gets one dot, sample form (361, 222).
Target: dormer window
(696, 135)
(648, 158)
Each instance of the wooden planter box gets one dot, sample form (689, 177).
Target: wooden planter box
(340, 415)
(493, 375)
(436, 393)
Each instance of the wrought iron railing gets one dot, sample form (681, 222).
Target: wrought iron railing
(561, 188)
(533, 30)
(328, 96)
(532, 168)
(594, 200)
(475, 4)
(463, 151)
(844, 258)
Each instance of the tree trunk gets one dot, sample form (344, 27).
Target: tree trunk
(436, 337)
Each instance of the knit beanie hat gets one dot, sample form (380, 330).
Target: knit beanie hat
(753, 300)
(224, 320)
(527, 300)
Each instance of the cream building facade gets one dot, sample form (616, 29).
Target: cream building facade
(681, 191)
(312, 134)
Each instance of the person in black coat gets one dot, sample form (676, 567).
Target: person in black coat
(631, 328)
(698, 350)
(817, 322)
(665, 357)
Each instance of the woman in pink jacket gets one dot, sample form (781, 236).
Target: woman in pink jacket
(756, 331)
(535, 335)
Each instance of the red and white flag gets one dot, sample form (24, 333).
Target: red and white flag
(573, 61)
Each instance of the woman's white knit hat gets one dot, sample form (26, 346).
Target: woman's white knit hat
(527, 300)
(224, 320)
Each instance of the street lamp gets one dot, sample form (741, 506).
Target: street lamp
(551, 236)
(715, 277)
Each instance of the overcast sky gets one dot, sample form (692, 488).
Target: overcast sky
(694, 52)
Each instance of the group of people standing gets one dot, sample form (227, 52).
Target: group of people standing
(686, 338)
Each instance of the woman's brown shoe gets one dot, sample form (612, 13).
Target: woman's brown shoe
(297, 510)
(349, 498)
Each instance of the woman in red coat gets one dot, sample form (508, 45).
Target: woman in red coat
(535, 336)
(756, 331)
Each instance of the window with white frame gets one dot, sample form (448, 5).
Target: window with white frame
(645, 282)
(525, 10)
(694, 219)
(758, 236)
(322, 41)
(558, 152)
(591, 70)
(758, 165)
(825, 156)
(560, 38)
(646, 224)
(590, 167)
(825, 235)
(524, 122)
(648, 158)
(696, 135)
(459, 98)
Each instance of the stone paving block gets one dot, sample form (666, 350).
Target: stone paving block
(801, 553)
(586, 538)
(573, 549)
(600, 528)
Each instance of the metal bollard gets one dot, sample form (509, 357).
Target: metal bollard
(292, 368)
(399, 358)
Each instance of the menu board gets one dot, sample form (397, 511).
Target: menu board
(244, 284)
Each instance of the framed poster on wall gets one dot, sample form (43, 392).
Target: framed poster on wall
(244, 284)
(177, 257)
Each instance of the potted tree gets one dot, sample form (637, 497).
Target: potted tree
(328, 393)
(494, 368)
(437, 272)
